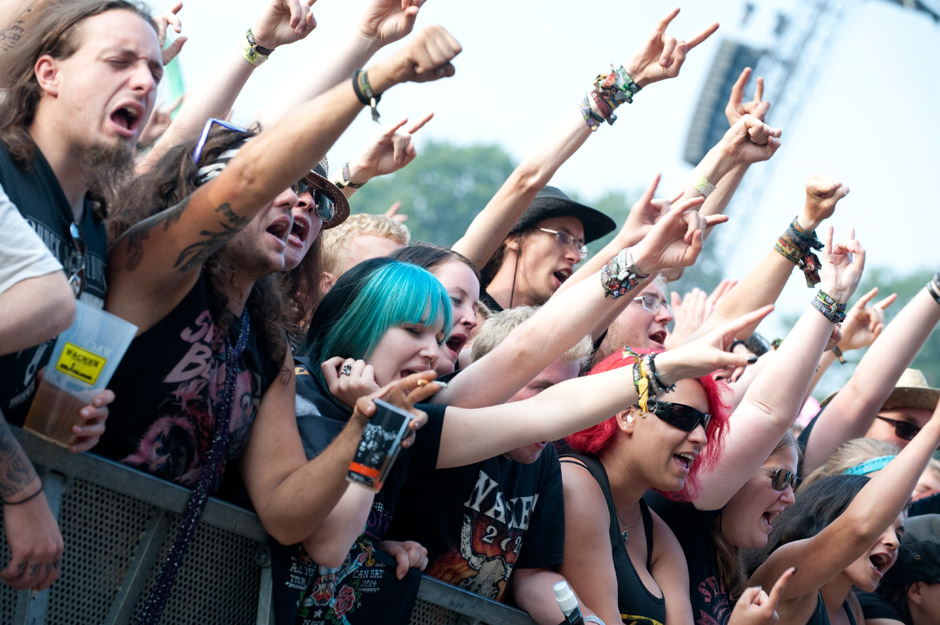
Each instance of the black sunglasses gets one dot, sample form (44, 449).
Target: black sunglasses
(77, 279)
(324, 205)
(780, 478)
(686, 418)
(902, 429)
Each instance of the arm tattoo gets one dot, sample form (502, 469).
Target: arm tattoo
(134, 238)
(16, 471)
(10, 36)
(194, 255)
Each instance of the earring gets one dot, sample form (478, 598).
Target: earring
(629, 419)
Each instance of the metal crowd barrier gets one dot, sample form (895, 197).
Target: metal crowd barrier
(118, 523)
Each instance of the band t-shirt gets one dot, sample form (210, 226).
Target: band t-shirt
(364, 588)
(36, 192)
(480, 521)
(167, 388)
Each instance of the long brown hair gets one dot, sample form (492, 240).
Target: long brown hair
(170, 181)
(54, 32)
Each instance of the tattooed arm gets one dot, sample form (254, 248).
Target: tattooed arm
(156, 262)
(30, 529)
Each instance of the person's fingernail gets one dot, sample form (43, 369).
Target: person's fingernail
(752, 360)
(441, 383)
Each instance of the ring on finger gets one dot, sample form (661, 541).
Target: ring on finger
(346, 369)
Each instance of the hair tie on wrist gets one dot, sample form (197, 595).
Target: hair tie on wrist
(30, 498)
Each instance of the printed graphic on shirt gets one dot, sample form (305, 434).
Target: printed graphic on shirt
(175, 445)
(717, 609)
(490, 540)
(630, 619)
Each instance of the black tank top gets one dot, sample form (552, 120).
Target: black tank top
(636, 603)
(821, 616)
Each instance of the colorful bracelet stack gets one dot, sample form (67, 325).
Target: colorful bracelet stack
(796, 246)
(360, 80)
(830, 308)
(933, 287)
(620, 275)
(610, 91)
(253, 53)
(645, 378)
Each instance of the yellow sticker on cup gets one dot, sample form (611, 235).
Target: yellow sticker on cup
(80, 364)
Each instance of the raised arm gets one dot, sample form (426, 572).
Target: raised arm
(474, 435)
(380, 23)
(659, 57)
(569, 315)
(171, 246)
(764, 283)
(773, 400)
(851, 412)
(854, 532)
(280, 22)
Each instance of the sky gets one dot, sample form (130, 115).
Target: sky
(867, 115)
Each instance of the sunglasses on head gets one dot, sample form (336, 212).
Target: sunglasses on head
(780, 478)
(686, 418)
(204, 136)
(324, 205)
(902, 429)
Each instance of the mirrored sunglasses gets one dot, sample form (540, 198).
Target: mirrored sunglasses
(781, 478)
(686, 418)
(323, 203)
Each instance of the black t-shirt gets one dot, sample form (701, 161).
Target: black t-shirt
(480, 521)
(364, 589)
(711, 604)
(37, 194)
(875, 606)
(166, 387)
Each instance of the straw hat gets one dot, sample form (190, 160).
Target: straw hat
(911, 391)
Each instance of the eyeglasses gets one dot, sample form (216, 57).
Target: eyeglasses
(323, 203)
(201, 144)
(567, 240)
(780, 478)
(77, 279)
(686, 418)
(651, 303)
(902, 429)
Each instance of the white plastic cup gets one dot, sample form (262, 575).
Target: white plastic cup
(83, 360)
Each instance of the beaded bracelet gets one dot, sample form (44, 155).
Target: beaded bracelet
(611, 90)
(30, 498)
(360, 80)
(830, 308)
(620, 275)
(661, 388)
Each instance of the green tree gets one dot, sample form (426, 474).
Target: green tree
(441, 191)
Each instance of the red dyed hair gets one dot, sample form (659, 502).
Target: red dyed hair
(596, 438)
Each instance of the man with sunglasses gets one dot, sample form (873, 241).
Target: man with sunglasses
(80, 85)
(541, 250)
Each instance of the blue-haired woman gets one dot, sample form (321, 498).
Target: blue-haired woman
(382, 324)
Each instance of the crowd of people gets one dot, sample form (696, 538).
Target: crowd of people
(571, 419)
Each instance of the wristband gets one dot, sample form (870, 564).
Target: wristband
(621, 275)
(933, 287)
(251, 51)
(30, 498)
(592, 119)
(250, 36)
(360, 80)
(838, 354)
(704, 187)
(831, 309)
(343, 181)
(590, 618)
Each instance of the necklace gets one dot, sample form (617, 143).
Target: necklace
(625, 532)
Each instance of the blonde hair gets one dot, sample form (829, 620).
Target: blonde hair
(335, 246)
(499, 325)
(849, 454)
